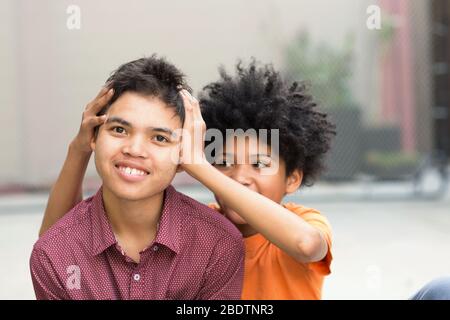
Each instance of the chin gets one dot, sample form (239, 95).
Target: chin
(234, 217)
(131, 197)
(131, 193)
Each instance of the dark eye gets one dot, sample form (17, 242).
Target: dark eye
(118, 130)
(161, 138)
(261, 164)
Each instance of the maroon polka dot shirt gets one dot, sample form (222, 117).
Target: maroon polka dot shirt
(197, 254)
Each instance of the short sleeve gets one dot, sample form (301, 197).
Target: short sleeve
(46, 284)
(318, 221)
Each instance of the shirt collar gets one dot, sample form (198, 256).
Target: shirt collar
(168, 234)
(102, 234)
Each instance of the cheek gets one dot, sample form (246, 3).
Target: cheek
(166, 158)
(105, 147)
(172, 154)
(271, 187)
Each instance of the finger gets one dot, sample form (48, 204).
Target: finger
(103, 92)
(196, 112)
(186, 101)
(101, 102)
(100, 120)
(191, 98)
(188, 116)
(96, 121)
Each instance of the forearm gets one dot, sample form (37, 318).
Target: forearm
(67, 190)
(280, 226)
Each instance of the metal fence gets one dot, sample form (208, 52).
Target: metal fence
(403, 136)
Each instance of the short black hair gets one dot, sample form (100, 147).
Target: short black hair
(258, 98)
(150, 76)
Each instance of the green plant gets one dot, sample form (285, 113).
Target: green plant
(327, 69)
(391, 159)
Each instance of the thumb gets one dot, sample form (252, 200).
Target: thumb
(98, 120)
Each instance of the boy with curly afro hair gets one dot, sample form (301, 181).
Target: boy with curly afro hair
(288, 246)
(137, 237)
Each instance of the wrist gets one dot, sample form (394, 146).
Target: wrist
(76, 149)
(197, 167)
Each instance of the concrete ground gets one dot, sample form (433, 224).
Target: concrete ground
(387, 242)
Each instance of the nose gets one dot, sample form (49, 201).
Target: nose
(135, 147)
(242, 175)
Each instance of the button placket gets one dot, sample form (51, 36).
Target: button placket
(137, 283)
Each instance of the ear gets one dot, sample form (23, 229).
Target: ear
(93, 143)
(94, 137)
(294, 181)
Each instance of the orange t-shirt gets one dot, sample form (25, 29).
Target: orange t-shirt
(271, 274)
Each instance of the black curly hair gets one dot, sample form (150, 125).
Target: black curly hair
(150, 76)
(258, 98)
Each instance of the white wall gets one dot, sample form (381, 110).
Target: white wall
(53, 72)
(11, 143)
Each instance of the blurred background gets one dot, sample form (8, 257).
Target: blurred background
(386, 86)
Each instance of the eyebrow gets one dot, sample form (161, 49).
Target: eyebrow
(128, 124)
(119, 120)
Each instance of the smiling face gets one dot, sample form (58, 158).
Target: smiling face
(244, 162)
(134, 149)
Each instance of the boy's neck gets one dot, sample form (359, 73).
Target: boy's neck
(133, 219)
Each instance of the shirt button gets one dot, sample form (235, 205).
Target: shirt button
(137, 277)
(155, 248)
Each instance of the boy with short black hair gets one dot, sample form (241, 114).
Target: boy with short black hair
(137, 237)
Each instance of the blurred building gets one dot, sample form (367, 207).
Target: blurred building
(49, 72)
(440, 42)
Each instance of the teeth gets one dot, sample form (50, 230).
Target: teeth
(132, 171)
